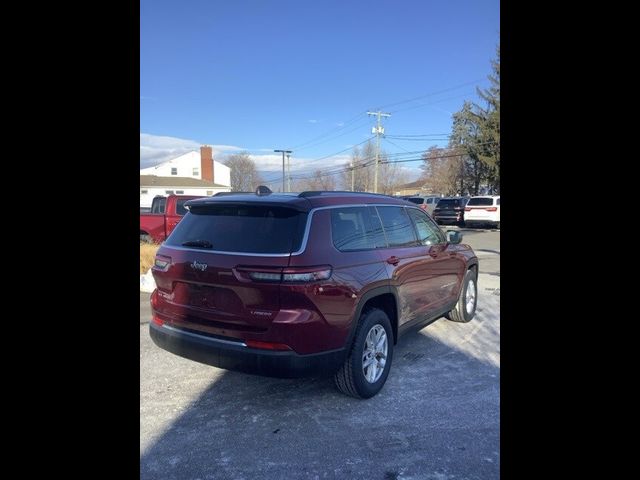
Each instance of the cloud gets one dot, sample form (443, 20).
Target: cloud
(340, 124)
(312, 121)
(156, 149)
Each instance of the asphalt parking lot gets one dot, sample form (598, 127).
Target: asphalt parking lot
(438, 416)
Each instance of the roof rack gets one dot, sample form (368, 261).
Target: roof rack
(315, 193)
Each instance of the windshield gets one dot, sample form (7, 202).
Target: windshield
(448, 203)
(480, 201)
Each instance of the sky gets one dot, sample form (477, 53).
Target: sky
(254, 76)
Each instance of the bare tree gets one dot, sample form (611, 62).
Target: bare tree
(442, 170)
(319, 181)
(244, 175)
(362, 167)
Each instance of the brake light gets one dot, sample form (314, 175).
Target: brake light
(154, 298)
(162, 263)
(289, 274)
(467, 209)
(157, 320)
(266, 345)
(491, 209)
(423, 206)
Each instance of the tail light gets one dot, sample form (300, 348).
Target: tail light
(154, 298)
(287, 275)
(162, 263)
(467, 209)
(491, 209)
(423, 206)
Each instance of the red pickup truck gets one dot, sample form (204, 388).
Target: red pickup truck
(165, 214)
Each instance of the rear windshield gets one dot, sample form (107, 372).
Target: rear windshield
(481, 201)
(448, 203)
(416, 200)
(241, 229)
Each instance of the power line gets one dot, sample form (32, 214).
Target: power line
(431, 94)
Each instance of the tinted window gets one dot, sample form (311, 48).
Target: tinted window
(250, 229)
(397, 227)
(352, 229)
(449, 203)
(180, 210)
(498, 202)
(416, 200)
(377, 231)
(429, 200)
(480, 201)
(158, 204)
(428, 232)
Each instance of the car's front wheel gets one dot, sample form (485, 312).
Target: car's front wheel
(366, 368)
(465, 309)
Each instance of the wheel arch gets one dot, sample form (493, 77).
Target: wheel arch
(386, 299)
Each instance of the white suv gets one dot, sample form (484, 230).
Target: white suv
(483, 210)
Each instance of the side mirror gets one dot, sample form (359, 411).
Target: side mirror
(454, 236)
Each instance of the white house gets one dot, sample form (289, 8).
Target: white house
(188, 174)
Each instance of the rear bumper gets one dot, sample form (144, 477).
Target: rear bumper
(235, 355)
(480, 221)
(448, 218)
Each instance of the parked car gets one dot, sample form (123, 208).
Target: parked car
(427, 203)
(483, 210)
(290, 285)
(165, 214)
(450, 210)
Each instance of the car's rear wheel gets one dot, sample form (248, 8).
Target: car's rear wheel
(366, 368)
(465, 309)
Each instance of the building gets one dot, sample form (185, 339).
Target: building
(413, 188)
(188, 174)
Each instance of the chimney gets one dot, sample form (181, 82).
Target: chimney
(206, 163)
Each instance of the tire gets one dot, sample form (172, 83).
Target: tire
(461, 312)
(146, 239)
(498, 225)
(350, 378)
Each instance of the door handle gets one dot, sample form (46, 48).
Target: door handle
(393, 260)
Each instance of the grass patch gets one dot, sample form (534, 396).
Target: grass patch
(147, 254)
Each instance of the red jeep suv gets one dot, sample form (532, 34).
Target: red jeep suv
(291, 285)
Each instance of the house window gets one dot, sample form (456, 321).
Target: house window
(168, 192)
(209, 192)
(179, 192)
(144, 192)
(174, 170)
(196, 171)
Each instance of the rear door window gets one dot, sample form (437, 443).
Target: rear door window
(416, 200)
(180, 210)
(355, 228)
(241, 229)
(398, 228)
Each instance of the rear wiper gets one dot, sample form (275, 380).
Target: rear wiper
(198, 243)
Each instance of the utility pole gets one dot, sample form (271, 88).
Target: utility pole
(353, 171)
(378, 130)
(283, 152)
(288, 172)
